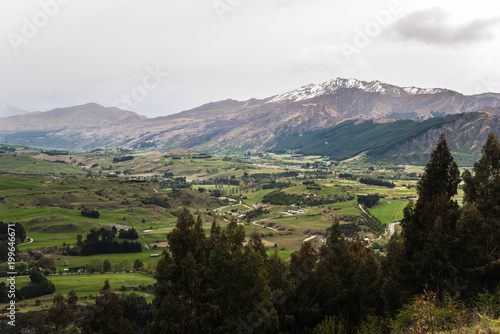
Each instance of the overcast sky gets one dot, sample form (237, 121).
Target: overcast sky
(158, 57)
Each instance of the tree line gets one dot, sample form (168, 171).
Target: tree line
(102, 242)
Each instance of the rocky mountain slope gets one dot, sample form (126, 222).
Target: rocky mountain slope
(253, 125)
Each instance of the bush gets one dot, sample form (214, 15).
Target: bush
(90, 213)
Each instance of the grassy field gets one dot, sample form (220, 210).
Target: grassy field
(388, 211)
(85, 286)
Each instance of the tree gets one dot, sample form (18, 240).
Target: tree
(96, 264)
(480, 223)
(37, 276)
(396, 275)
(138, 264)
(429, 226)
(347, 278)
(256, 244)
(59, 315)
(182, 280)
(45, 261)
(106, 315)
(197, 281)
(79, 240)
(72, 298)
(151, 265)
(106, 266)
(125, 265)
(4, 293)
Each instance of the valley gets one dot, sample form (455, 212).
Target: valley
(286, 198)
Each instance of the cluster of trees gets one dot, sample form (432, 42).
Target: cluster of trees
(124, 158)
(273, 185)
(110, 314)
(277, 197)
(20, 235)
(158, 200)
(251, 214)
(448, 248)
(102, 242)
(215, 284)
(18, 228)
(376, 182)
(90, 213)
(131, 233)
(369, 200)
(39, 286)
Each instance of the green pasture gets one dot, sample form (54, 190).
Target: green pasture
(85, 286)
(81, 261)
(25, 164)
(388, 212)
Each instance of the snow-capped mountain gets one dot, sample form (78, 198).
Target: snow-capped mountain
(333, 86)
(255, 125)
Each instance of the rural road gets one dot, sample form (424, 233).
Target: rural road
(392, 228)
(25, 243)
(310, 238)
(255, 223)
(363, 209)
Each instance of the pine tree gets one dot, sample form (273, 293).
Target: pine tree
(182, 294)
(256, 244)
(429, 226)
(348, 278)
(303, 307)
(480, 224)
(72, 298)
(59, 316)
(396, 287)
(483, 190)
(211, 285)
(106, 315)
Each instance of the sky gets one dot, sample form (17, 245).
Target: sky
(159, 57)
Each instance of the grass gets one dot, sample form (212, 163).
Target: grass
(25, 164)
(388, 212)
(84, 286)
(80, 261)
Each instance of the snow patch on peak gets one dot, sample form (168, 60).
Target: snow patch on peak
(418, 91)
(330, 87)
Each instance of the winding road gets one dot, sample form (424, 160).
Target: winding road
(25, 243)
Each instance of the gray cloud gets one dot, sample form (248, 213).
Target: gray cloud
(432, 26)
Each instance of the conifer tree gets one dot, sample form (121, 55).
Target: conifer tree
(106, 315)
(256, 243)
(429, 226)
(211, 284)
(480, 223)
(483, 190)
(72, 298)
(59, 316)
(348, 279)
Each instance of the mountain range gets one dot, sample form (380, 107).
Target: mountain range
(340, 118)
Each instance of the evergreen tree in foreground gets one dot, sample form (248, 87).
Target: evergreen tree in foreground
(211, 285)
(427, 252)
(480, 223)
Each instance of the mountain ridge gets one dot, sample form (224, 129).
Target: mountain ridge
(255, 125)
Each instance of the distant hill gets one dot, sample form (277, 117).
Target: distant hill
(356, 116)
(7, 110)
